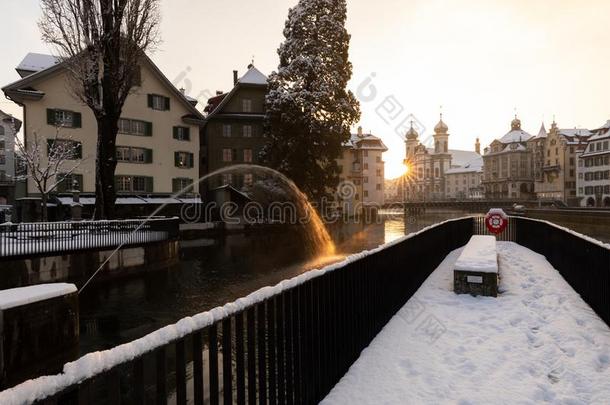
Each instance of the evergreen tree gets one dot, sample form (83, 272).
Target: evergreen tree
(309, 111)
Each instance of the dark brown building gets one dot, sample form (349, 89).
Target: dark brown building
(233, 131)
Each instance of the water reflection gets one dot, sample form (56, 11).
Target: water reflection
(213, 272)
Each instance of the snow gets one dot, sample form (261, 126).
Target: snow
(94, 363)
(35, 62)
(537, 342)
(515, 135)
(253, 76)
(498, 211)
(479, 255)
(16, 297)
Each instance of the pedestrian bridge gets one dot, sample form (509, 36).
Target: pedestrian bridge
(294, 342)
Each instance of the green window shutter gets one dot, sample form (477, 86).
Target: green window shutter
(78, 150)
(116, 182)
(190, 160)
(61, 183)
(175, 132)
(148, 155)
(175, 185)
(148, 130)
(77, 120)
(176, 159)
(187, 132)
(150, 101)
(234, 155)
(149, 184)
(50, 116)
(167, 103)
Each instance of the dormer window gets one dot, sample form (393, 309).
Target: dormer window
(246, 104)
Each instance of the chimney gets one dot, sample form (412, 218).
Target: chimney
(218, 92)
(360, 131)
(234, 77)
(477, 146)
(182, 90)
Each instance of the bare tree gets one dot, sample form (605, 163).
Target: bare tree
(102, 43)
(48, 162)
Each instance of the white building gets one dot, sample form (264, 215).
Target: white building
(593, 180)
(9, 126)
(362, 171)
(465, 182)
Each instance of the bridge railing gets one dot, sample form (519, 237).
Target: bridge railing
(288, 344)
(52, 238)
(293, 342)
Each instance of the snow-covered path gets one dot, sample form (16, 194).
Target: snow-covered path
(537, 342)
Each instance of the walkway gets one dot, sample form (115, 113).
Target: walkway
(538, 341)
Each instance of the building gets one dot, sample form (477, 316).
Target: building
(554, 155)
(593, 171)
(362, 172)
(465, 182)
(233, 131)
(9, 127)
(427, 167)
(508, 165)
(158, 140)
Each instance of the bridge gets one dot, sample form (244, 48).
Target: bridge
(293, 342)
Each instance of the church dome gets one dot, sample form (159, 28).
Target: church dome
(441, 127)
(412, 133)
(515, 124)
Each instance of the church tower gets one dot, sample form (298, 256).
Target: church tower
(411, 142)
(441, 137)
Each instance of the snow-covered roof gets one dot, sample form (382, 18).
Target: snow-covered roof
(35, 62)
(464, 157)
(542, 132)
(575, 132)
(365, 141)
(253, 76)
(515, 135)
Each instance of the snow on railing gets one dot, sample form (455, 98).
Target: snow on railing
(95, 363)
(23, 239)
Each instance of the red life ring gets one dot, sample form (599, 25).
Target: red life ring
(496, 222)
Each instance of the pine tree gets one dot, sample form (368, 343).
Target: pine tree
(309, 111)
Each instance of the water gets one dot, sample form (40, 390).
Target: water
(213, 272)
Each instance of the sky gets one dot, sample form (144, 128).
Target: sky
(477, 61)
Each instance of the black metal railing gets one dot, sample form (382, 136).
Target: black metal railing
(291, 347)
(50, 238)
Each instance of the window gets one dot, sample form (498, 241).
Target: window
(227, 155)
(366, 153)
(247, 131)
(1, 130)
(67, 182)
(64, 118)
(366, 193)
(378, 172)
(227, 178)
(366, 179)
(182, 184)
(248, 179)
(378, 186)
(183, 159)
(226, 130)
(246, 104)
(248, 155)
(135, 127)
(157, 102)
(599, 146)
(72, 149)
(133, 184)
(2, 159)
(182, 133)
(605, 145)
(378, 159)
(366, 166)
(130, 154)
(2, 145)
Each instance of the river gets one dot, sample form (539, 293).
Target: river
(213, 272)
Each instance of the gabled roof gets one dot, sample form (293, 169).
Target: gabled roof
(366, 141)
(464, 157)
(35, 62)
(24, 85)
(253, 77)
(9, 118)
